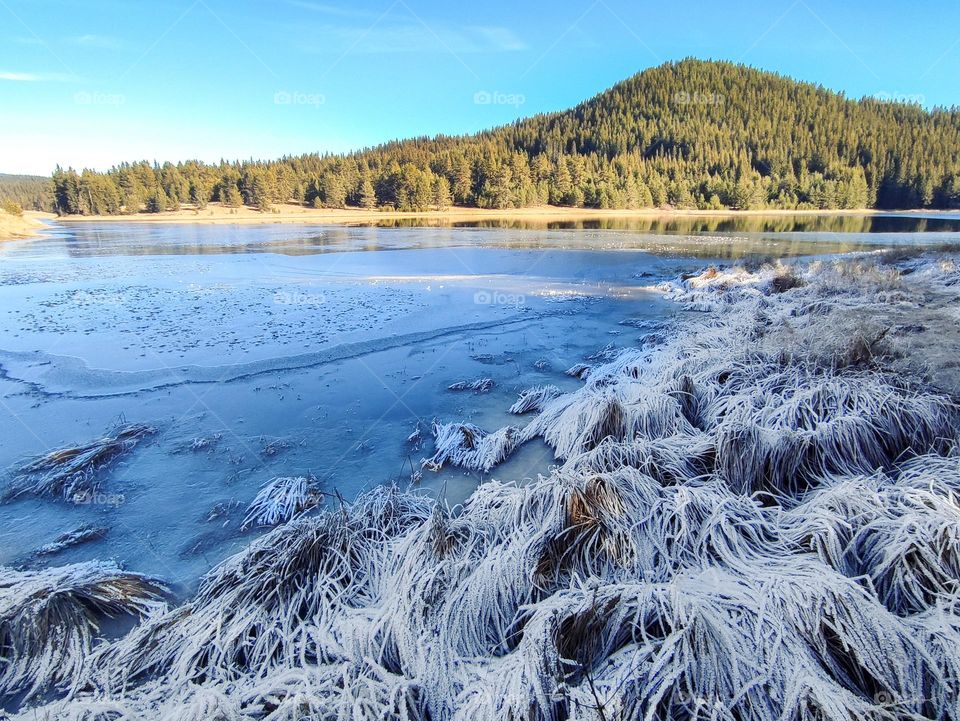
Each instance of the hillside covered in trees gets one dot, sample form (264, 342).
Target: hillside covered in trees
(692, 134)
(29, 192)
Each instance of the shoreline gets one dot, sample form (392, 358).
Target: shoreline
(820, 414)
(292, 214)
(24, 227)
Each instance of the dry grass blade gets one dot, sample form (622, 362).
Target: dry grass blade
(534, 399)
(467, 446)
(74, 473)
(281, 499)
(84, 534)
(480, 385)
(48, 620)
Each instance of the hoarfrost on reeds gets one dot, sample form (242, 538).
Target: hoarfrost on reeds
(48, 620)
(468, 446)
(579, 370)
(75, 473)
(747, 522)
(480, 385)
(76, 537)
(281, 499)
(534, 399)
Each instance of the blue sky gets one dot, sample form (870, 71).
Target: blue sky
(89, 83)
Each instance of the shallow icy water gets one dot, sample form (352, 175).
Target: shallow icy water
(260, 351)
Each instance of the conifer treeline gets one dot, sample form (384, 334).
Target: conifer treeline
(30, 192)
(692, 134)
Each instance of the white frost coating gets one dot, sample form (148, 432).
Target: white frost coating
(73, 473)
(534, 399)
(72, 538)
(579, 370)
(281, 603)
(279, 500)
(756, 521)
(467, 446)
(674, 459)
(480, 385)
(48, 619)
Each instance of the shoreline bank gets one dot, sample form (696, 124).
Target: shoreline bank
(20, 227)
(214, 214)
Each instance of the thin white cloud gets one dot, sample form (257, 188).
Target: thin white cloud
(27, 41)
(502, 38)
(102, 42)
(20, 77)
(327, 9)
(411, 37)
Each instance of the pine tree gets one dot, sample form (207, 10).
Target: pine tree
(368, 197)
(230, 196)
(442, 197)
(333, 190)
(561, 184)
(157, 201)
(132, 202)
(462, 186)
(200, 192)
(260, 194)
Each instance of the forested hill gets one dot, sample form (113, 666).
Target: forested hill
(30, 192)
(688, 134)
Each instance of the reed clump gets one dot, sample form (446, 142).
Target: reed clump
(75, 473)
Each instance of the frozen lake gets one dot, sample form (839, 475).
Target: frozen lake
(264, 351)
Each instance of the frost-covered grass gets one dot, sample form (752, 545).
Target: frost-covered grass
(479, 385)
(74, 473)
(754, 520)
(281, 499)
(49, 618)
(76, 537)
(534, 399)
(468, 446)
